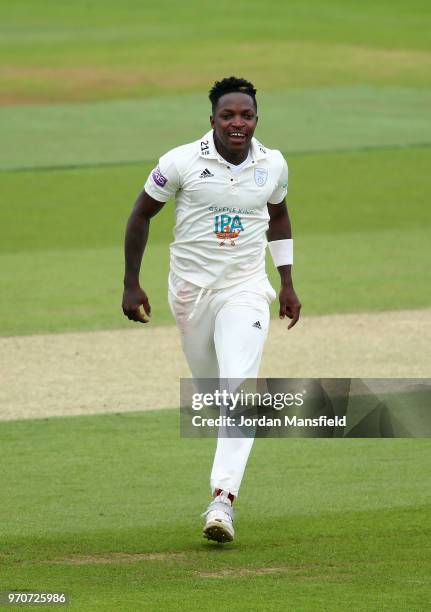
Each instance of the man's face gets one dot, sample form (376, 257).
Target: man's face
(234, 121)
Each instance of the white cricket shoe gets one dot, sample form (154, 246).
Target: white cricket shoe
(219, 519)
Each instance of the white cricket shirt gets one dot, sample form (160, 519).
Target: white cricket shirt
(221, 215)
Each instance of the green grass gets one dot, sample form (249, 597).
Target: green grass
(103, 50)
(340, 522)
(339, 193)
(360, 224)
(300, 120)
(336, 21)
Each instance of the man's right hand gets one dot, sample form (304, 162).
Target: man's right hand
(133, 299)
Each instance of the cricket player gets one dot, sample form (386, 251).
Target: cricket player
(229, 192)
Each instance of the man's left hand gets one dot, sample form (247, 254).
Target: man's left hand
(290, 306)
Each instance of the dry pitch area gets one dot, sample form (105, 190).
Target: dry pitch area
(139, 369)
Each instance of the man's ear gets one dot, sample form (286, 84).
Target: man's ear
(212, 121)
(257, 119)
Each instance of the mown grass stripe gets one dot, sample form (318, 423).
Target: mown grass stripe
(366, 149)
(304, 120)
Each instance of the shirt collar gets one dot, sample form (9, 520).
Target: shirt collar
(207, 148)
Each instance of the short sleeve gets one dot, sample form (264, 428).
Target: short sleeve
(164, 180)
(280, 190)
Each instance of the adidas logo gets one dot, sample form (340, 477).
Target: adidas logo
(257, 324)
(205, 174)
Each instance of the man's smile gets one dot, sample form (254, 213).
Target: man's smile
(237, 137)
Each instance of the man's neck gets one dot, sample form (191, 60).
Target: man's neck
(233, 157)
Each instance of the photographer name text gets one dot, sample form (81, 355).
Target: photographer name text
(265, 421)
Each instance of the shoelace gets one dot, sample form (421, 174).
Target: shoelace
(220, 503)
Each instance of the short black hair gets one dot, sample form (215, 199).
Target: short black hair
(231, 85)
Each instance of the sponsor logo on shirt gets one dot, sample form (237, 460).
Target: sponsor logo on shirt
(158, 177)
(227, 227)
(260, 176)
(205, 147)
(235, 211)
(205, 174)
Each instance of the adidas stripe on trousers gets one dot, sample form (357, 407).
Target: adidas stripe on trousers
(220, 339)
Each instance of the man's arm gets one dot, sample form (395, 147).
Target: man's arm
(137, 230)
(280, 229)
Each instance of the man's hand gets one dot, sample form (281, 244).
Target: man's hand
(290, 306)
(133, 299)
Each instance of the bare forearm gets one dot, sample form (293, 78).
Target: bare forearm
(134, 245)
(285, 276)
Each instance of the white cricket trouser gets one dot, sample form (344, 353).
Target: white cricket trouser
(219, 340)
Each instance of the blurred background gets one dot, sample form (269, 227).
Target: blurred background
(92, 92)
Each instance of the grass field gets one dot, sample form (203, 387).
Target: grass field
(91, 93)
(63, 233)
(101, 513)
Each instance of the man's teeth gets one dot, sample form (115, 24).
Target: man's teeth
(237, 134)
